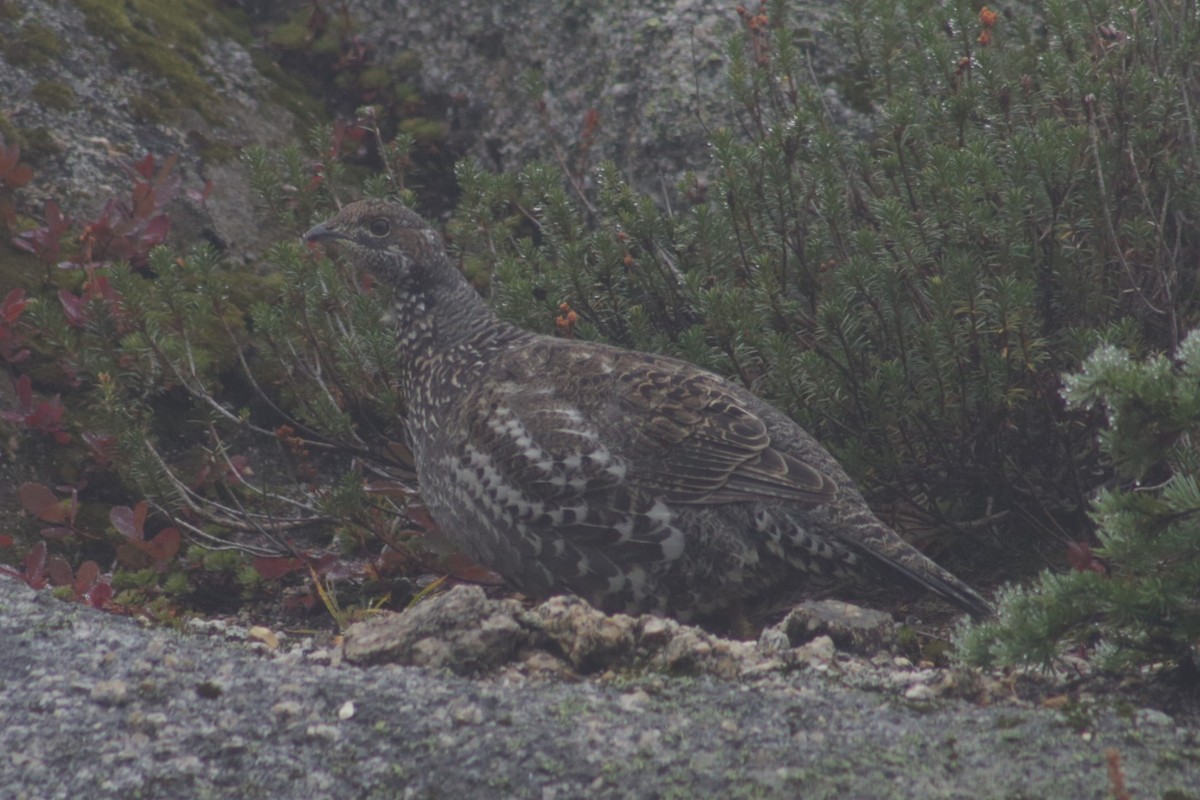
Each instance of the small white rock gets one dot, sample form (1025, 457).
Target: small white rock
(287, 708)
(110, 693)
(467, 714)
(634, 701)
(326, 732)
(818, 653)
(265, 635)
(919, 691)
(1152, 716)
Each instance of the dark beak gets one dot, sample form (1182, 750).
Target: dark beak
(322, 232)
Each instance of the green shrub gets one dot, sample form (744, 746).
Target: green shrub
(1136, 600)
(912, 295)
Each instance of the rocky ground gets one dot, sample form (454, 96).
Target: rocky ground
(555, 702)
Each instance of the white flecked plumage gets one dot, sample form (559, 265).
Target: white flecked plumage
(640, 482)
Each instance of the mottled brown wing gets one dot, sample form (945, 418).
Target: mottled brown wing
(692, 440)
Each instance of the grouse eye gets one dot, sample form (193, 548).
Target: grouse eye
(379, 227)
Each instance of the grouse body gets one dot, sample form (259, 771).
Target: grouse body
(640, 482)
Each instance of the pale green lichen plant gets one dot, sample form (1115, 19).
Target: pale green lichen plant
(1134, 601)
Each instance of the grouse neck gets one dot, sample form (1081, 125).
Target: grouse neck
(437, 311)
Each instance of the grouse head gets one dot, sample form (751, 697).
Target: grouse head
(433, 305)
(391, 241)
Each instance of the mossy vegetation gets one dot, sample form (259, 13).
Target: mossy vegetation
(10, 132)
(34, 45)
(1132, 598)
(423, 131)
(162, 42)
(39, 142)
(54, 95)
(319, 46)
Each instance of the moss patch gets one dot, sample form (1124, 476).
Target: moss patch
(218, 152)
(37, 143)
(164, 42)
(154, 105)
(291, 35)
(55, 95)
(424, 131)
(290, 93)
(10, 133)
(297, 34)
(34, 45)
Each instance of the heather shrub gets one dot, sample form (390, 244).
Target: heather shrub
(1133, 600)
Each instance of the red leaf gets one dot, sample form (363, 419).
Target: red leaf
(103, 447)
(9, 156)
(165, 545)
(144, 204)
(323, 564)
(18, 176)
(41, 502)
(56, 222)
(419, 516)
(1081, 558)
(145, 167)
(35, 566)
(86, 576)
(139, 518)
(155, 232)
(273, 567)
(47, 415)
(14, 303)
(56, 532)
(6, 540)
(74, 307)
(99, 595)
(101, 226)
(59, 572)
(306, 601)
(465, 569)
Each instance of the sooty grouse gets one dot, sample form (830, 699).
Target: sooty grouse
(640, 482)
